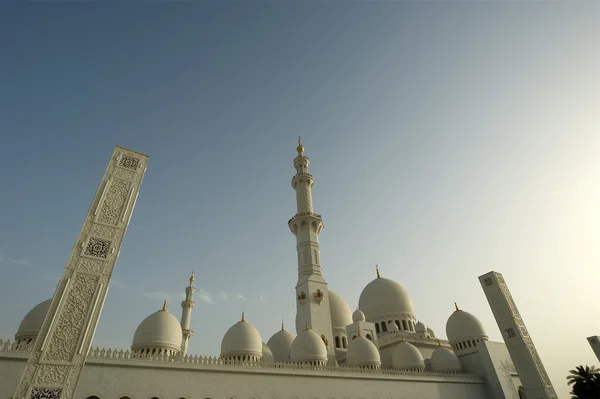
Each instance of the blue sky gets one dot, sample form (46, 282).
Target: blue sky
(447, 139)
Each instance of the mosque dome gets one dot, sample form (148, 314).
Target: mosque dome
(358, 316)
(430, 332)
(392, 326)
(362, 353)
(463, 325)
(32, 322)
(407, 356)
(160, 330)
(341, 315)
(308, 347)
(420, 327)
(242, 342)
(383, 297)
(281, 345)
(267, 355)
(443, 359)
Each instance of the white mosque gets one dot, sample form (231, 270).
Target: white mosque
(381, 350)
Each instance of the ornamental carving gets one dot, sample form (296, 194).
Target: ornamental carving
(72, 318)
(129, 162)
(91, 265)
(51, 374)
(124, 174)
(113, 205)
(97, 247)
(488, 281)
(45, 393)
(99, 230)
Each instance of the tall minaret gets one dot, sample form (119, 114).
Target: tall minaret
(311, 290)
(186, 315)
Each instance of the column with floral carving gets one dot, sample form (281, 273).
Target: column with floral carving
(62, 345)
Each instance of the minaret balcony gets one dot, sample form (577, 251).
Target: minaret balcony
(299, 215)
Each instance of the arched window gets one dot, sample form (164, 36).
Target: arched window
(337, 342)
(377, 328)
(404, 325)
(353, 337)
(469, 343)
(344, 343)
(383, 326)
(154, 397)
(124, 397)
(93, 397)
(398, 324)
(411, 324)
(369, 337)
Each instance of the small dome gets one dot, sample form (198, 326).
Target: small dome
(281, 345)
(358, 316)
(160, 330)
(463, 325)
(420, 327)
(391, 326)
(32, 322)
(308, 347)
(407, 356)
(341, 315)
(443, 359)
(363, 353)
(383, 297)
(267, 355)
(242, 339)
(430, 332)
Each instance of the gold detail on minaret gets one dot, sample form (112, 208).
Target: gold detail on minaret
(300, 147)
(243, 317)
(192, 278)
(456, 307)
(377, 270)
(164, 308)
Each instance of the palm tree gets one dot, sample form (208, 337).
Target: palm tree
(585, 381)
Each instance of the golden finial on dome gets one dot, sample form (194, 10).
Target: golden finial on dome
(300, 147)
(282, 328)
(402, 338)
(377, 270)
(439, 343)
(243, 317)
(164, 308)
(456, 307)
(307, 327)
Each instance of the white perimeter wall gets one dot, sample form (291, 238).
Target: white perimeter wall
(110, 379)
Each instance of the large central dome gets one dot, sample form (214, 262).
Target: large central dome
(383, 297)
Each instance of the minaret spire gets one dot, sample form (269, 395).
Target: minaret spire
(311, 288)
(186, 315)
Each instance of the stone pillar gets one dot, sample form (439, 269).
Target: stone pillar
(62, 345)
(532, 373)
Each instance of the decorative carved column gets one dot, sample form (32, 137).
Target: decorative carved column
(62, 345)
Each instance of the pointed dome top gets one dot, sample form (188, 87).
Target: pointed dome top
(463, 325)
(308, 347)
(443, 359)
(242, 339)
(300, 148)
(407, 356)
(159, 330)
(362, 352)
(281, 344)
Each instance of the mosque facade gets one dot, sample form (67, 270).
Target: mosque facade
(381, 350)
